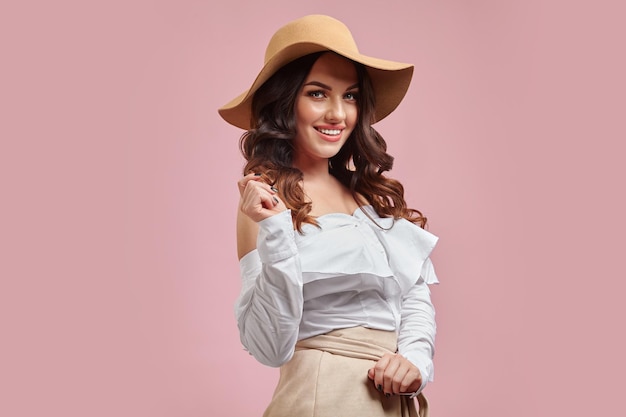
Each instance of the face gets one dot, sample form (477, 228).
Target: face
(326, 110)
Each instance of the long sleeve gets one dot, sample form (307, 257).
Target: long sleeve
(416, 339)
(269, 307)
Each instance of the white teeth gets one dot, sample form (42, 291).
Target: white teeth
(331, 132)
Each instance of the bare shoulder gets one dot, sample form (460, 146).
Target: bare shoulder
(247, 232)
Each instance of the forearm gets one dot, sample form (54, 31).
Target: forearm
(416, 340)
(269, 308)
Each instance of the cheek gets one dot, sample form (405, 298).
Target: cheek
(306, 111)
(352, 115)
(301, 111)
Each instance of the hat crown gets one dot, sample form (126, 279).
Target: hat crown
(313, 29)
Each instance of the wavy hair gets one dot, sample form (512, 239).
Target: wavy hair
(359, 165)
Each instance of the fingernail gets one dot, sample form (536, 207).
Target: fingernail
(387, 395)
(275, 200)
(257, 175)
(274, 189)
(379, 387)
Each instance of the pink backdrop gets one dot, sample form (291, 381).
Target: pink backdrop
(118, 190)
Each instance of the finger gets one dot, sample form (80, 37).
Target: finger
(280, 204)
(269, 201)
(243, 182)
(399, 378)
(379, 371)
(412, 381)
(408, 377)
(256, 197)
(259, 201)
(256, 187)
(388, 376)
(254, 200)
(256, 182)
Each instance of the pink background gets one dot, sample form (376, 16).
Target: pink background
(118, 177)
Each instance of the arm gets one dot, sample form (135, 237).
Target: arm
(416, 340)
(269, 307)
(411, 368)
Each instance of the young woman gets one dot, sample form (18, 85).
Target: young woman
(335, 267)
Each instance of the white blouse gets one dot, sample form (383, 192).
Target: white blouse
(350, 272)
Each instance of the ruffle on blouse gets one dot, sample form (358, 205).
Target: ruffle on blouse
(353, 244)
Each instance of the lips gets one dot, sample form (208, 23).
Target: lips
(329, 132)
(330, 135)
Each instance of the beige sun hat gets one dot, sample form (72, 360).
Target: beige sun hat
(315, 33)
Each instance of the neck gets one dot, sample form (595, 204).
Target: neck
(315, 172)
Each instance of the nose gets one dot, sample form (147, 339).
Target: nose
(336, 112)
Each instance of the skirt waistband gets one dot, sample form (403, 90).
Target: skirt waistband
(353, 342)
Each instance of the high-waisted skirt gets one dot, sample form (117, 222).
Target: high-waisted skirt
(327, 377)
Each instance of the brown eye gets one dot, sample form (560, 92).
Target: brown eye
(316, 94)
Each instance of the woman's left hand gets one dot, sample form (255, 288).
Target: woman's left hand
(394, 374)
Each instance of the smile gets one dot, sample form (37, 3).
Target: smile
(329, 132)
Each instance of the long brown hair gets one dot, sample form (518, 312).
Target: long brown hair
(359, 165)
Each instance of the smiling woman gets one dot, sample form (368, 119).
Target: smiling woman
(326, 110)
(335, 267)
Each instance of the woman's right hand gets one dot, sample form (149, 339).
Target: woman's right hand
(258, 199)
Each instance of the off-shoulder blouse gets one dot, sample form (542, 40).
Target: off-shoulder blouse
(353, 270)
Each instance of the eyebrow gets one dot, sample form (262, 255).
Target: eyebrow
(327, 87)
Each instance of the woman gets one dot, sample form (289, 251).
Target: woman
(334, 265)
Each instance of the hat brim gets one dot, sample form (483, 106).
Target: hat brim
(390, 81)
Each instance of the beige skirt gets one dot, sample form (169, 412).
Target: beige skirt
(327, 377)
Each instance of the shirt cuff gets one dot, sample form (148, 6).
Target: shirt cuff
(276, 240)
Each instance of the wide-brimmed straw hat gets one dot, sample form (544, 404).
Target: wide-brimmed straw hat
(315, 33)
